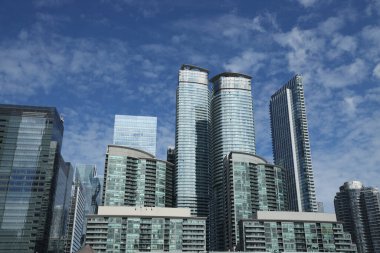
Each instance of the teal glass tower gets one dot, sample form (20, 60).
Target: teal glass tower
(232, 130)
(33, 178)
(291, 144)
(251, 185)
(192, 140)
(135, 178)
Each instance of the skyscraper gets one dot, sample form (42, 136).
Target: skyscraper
(137, 214)
(358, 208)
(291, 145)
(232, 130)
(61, 204)
(192, 140)
(32, 175)
(251, 185)
(135, 178)
(86, 174)
(76, 218)
(136, 132)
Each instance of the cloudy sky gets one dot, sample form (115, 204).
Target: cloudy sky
(93, 59)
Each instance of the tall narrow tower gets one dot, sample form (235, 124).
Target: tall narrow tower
(192, 140)
(232, 130)
(291, 145)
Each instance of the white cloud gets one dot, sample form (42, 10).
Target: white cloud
(307, 3)
(331, 25)
(376, 71)
(247, 62)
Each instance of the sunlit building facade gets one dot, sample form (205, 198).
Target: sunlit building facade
(232, 130)
(135, 178)
(291, 144)
(251, 185)
(31, 169)
(154, 229)
(76, 219)
(192, 140)
(137, 132)
(294, 232)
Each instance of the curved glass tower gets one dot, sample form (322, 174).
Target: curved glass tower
(232, 130)
(192, 140)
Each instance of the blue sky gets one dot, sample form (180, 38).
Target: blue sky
(93, 59)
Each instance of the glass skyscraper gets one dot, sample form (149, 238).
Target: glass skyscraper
(291, 144)
(192, 140)
(76, 219)
(136, 132)
(61, 206)
(232, 130)
(32, 177)
(251, 185)
(358, 208)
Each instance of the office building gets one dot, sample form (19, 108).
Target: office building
(192, 140)
(291, 144)
(31, 168)
(61, 184)
(358, 208)
(135, 178)
(294, 232)
(86, 174)
(137, 132)
(321, 208)
(232, 130)
(136, 229)
(251, 185)
(76, 218)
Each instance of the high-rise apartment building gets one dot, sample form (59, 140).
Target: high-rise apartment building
(294, 232)
(251, 185)
(137, 132)
(291, 144)
(137, 214)
(32, 177)
(358, 208)
(192, 140)
(232, 130)
(135, 178)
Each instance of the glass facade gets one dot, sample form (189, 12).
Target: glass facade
(358, 208)
(30, 146)
(136, 234)
(291, 145)
(136, 132)
(76, 219)
(251, 184)
(192, 140)
(275, 235)
(134, 178)
(62, 196)
(232, 130)
(86, 174)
